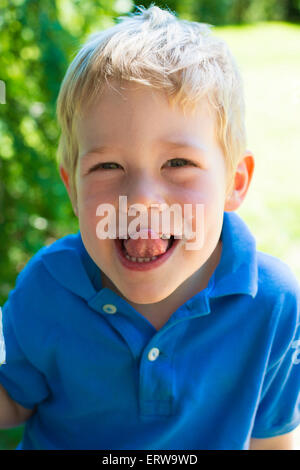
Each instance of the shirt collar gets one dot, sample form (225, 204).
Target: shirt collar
(70, 264)
(237, 271)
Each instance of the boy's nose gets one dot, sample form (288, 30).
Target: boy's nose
(147, 192)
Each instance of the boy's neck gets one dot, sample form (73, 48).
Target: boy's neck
(158, 313)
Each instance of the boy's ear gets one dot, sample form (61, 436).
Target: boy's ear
(242, 179)
(66, 180)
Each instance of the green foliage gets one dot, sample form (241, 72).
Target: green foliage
(10, 438)
(37, 41)
(222, 12)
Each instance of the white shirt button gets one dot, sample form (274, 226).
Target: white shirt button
(109, 308)
(153, 354)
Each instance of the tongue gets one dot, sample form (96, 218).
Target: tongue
(145, 248)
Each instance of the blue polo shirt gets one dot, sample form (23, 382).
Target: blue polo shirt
(223, 368)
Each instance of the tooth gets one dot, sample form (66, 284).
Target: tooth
(140, 260)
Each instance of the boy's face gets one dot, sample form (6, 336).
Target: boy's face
(134, 123)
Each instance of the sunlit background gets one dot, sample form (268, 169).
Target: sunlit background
(37, 41)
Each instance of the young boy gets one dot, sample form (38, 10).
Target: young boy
(142, 343)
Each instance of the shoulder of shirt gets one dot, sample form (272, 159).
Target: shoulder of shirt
(36, 262)
(279, 295)
(278, 287)
(29, 307)
(276, 278)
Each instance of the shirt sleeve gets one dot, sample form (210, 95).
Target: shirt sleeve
(2, 343)
(278, 410)
(21, 379)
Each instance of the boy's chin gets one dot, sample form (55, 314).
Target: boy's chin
(140, 294)
(146, 296)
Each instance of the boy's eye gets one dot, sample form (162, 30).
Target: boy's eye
(105, 166)
(179, 162)
(173, 163)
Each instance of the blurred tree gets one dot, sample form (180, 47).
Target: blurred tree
(222, 12)
(37, 41)
(292, 12)
(213, 11)
(264, 10)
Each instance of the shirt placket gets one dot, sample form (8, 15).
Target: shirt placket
(157, 393)
(152, 351)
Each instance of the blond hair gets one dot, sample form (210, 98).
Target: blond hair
(155, 48)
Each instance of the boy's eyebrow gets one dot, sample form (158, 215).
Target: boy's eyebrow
(182, 144)
(162, 142)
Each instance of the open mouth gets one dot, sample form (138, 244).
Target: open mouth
(141, 264)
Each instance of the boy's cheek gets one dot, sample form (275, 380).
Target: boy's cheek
(87, 220)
